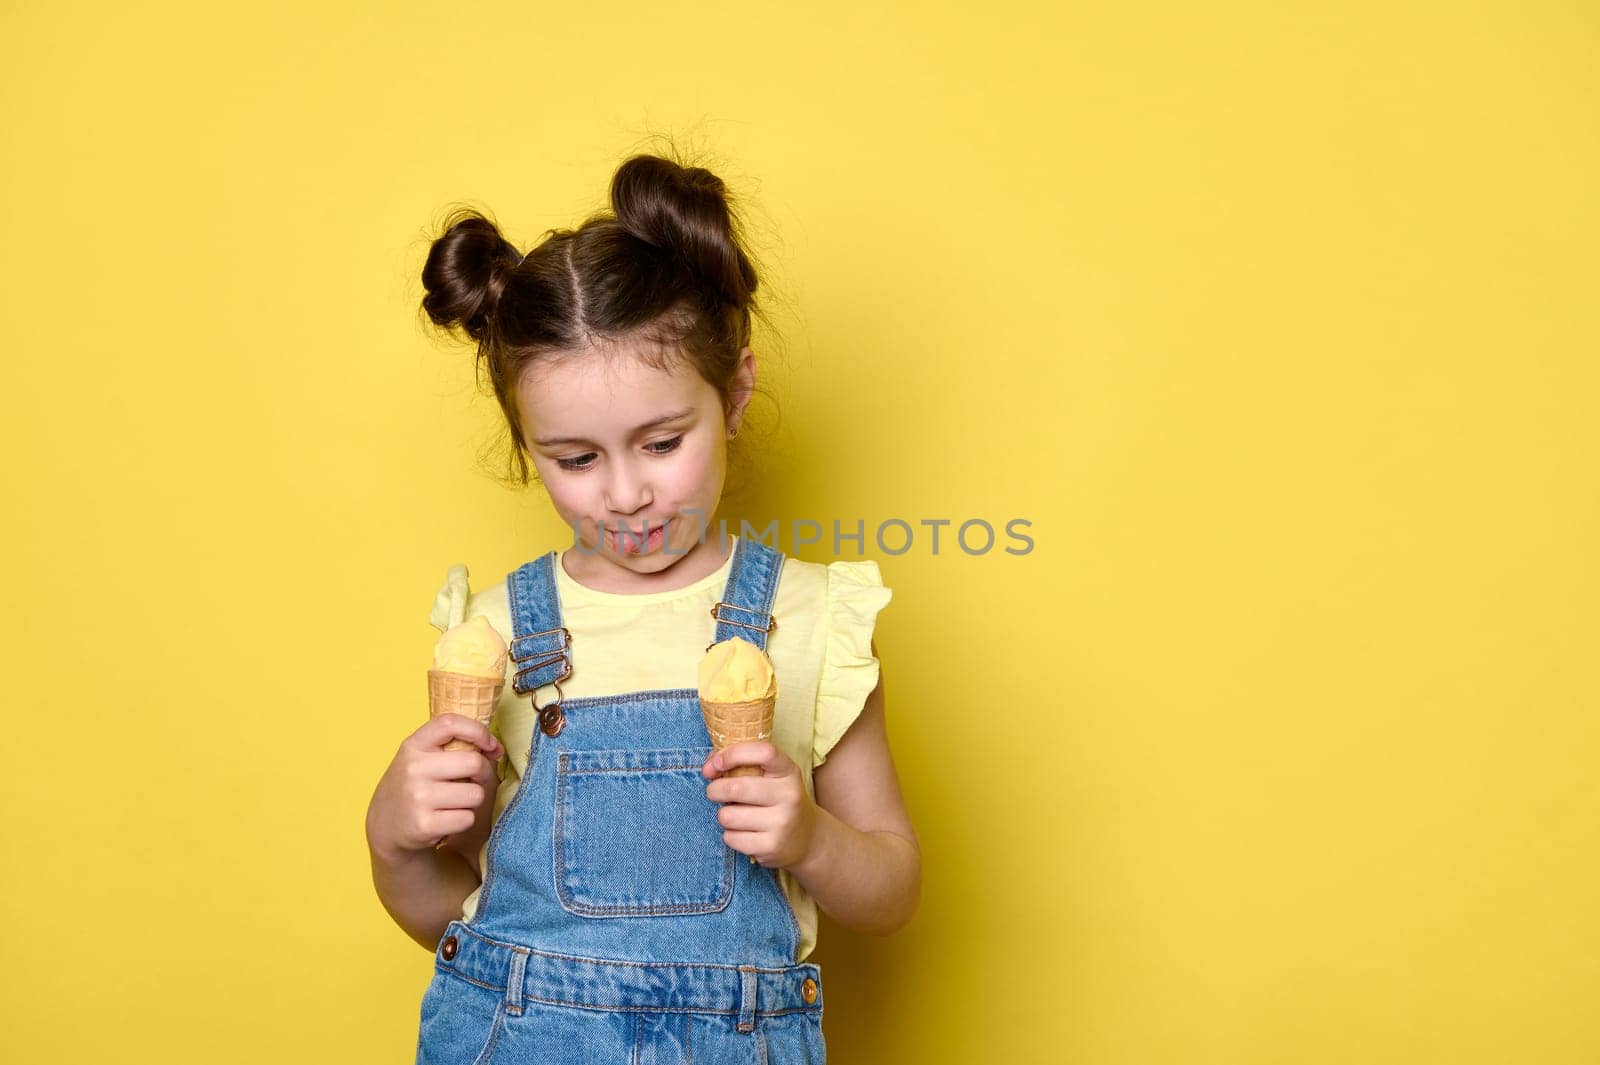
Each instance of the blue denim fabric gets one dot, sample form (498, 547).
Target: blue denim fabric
(614, 925)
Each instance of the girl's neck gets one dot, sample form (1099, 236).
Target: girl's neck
(600, 574)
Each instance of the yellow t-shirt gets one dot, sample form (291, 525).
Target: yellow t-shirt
(821, 650)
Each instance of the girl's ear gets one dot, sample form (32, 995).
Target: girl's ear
(742, 386)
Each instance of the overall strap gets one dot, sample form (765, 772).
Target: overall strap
(540, 644)
(746, 607)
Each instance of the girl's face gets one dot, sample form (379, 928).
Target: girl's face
(618, 442)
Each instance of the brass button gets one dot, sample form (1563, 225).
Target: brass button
(552, 720)
(808, 991)
(448, 947)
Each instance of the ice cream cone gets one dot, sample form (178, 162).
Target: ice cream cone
(464, 694)
(730, 723)
(469, 670)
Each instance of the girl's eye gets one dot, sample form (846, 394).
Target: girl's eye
(584, 461)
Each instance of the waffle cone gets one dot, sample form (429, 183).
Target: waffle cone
(730, 723)
(464, 694)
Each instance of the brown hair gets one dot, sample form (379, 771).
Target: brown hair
(665, 267)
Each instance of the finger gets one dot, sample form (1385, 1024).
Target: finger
(745, 842)
(456, 795)
(752, 791)
(488, 774)
(438, 731)
(451, 765)
(447, 726)
(437, 827)
(758, 753)
(742, 818)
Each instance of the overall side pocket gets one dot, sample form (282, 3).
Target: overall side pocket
(636, 836)
(460, 1022)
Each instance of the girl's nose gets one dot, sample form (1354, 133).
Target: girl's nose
(627, 491)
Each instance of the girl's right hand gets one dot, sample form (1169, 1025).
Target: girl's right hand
(429, 793)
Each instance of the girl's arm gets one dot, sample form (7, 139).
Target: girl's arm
(422, 890)
(863, 866)
(425, 797)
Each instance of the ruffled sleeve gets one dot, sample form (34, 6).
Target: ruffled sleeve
(855, 594)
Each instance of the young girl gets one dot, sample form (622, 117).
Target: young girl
(600, 889)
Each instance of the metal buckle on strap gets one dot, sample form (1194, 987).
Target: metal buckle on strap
(552, 719)
(566, 640)
(557, 656)
(772, 622)
(545, 657)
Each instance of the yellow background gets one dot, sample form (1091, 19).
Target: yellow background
(1278, 325)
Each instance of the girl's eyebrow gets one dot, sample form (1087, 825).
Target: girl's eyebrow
(552, 441)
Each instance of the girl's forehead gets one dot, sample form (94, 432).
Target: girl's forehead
(593, 390)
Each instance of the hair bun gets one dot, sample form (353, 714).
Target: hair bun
(685, 211)
(466, 271)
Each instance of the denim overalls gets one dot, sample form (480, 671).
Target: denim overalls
(615, 927)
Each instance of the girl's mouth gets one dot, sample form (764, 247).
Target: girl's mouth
(628, 542)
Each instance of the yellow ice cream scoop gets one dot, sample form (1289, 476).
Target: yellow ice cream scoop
(736, 671)
(738, 696)
(473, 647)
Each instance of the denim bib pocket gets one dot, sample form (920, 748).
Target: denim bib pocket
(635, 834)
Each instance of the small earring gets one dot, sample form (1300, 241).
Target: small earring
(732, 433)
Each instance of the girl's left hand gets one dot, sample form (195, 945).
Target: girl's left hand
(770, 817)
